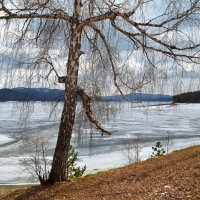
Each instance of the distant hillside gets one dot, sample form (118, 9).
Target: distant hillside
(138, 97)
(44, 94)
(189, 97)
(31, 94)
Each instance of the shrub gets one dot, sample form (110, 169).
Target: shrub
(73, 171)
(133, 148)
(158, 150)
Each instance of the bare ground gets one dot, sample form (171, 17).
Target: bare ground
(172, 177)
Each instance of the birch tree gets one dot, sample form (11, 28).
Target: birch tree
(63, 36)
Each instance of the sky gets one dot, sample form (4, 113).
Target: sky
(178, 79)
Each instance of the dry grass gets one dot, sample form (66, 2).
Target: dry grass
(172, 177)
(7, 189)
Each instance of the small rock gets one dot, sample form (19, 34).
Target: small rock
(163, 193)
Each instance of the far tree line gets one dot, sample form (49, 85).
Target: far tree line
(189, 97)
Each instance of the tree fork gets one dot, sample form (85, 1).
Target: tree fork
(86, 100)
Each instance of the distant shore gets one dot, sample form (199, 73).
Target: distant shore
(174, 175)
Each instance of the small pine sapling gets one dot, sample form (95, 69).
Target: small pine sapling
(72, 170)
(158, 150)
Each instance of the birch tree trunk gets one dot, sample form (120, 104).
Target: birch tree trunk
(58, 170)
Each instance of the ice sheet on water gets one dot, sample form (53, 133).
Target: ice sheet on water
(11, 171)
(152, 122)
(5, 139)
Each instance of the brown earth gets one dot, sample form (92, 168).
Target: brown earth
(172, 177)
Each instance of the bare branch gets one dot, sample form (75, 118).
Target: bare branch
(169, 53)
(34, 16)
(87, 107)
(55, 14)
(138, 3)
(115, 74)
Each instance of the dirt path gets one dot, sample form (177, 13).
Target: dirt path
(172, 177)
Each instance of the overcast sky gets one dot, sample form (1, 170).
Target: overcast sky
(20, 77)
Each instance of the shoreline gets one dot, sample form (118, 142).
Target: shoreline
(157, 178)
(145, 155)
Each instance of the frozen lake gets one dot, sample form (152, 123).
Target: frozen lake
(153, 123)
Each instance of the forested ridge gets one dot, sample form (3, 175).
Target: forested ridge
(189, 97)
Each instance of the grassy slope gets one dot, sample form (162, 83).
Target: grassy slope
(7, 189)
(175, 176)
